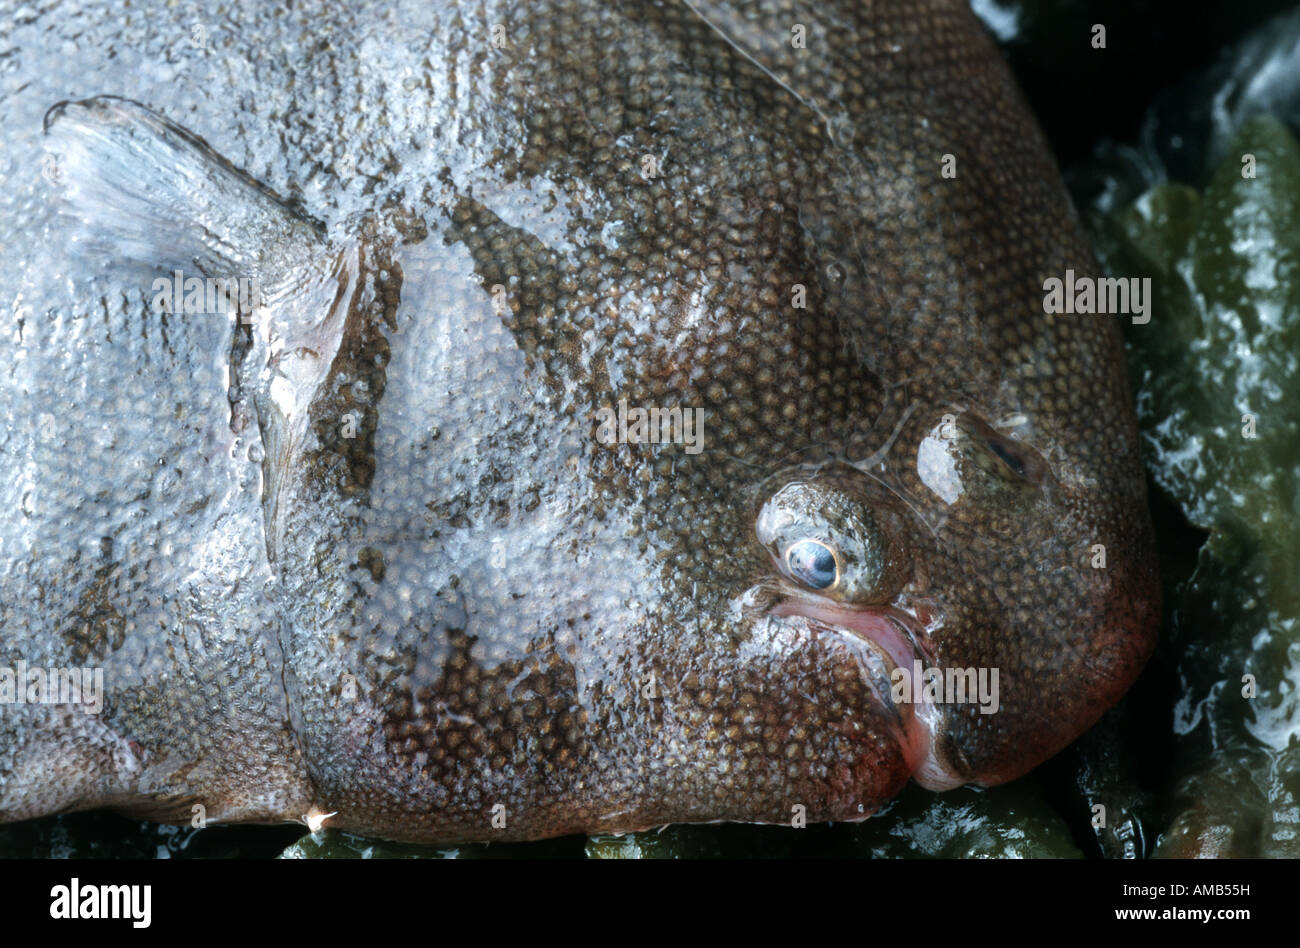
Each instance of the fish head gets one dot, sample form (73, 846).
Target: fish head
(1008, 596)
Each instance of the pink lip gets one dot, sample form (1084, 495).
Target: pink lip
(874, 627)
(879, 629)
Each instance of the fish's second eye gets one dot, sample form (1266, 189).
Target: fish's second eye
(1008, 457)
(812, 563)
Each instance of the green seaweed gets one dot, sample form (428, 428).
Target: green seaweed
(1215, 373)
(1011, 821)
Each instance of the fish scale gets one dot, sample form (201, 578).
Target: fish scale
(432, 603)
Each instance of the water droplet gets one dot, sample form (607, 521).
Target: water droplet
(255, 452)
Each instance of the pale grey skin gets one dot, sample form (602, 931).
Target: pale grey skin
(364, 556)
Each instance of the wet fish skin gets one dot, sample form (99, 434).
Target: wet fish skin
(433, 604)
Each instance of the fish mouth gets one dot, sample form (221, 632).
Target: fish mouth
(879, 629)
(887, 653)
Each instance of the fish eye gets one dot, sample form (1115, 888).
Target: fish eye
(1017, 458)
(967, 458)
(826, 534)
(812, 563)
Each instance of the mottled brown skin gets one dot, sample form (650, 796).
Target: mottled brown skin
(473, 609)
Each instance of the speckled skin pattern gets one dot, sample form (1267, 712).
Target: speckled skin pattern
(368, 558)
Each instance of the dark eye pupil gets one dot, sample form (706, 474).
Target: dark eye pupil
(811, 563)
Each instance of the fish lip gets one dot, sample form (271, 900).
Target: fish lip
(883, 629)
(886, 633)
(878, 647)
